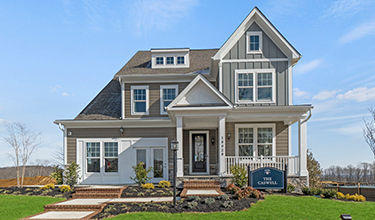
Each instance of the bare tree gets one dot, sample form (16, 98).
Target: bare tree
(23, 142)
(369, 131)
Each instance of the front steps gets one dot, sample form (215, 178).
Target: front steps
(201, 187)
(97, 192)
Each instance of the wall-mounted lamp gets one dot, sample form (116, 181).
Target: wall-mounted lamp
(70, 133)
(228, 136)
(122, 131)
(212, 140)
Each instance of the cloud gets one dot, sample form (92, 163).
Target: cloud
(324, 95)
(344, 117)
(159, 14)
(307, 67)
(355, 129)
(345, 7)
(358, 32)
(65, 94)
(361, 94)
(299, 93)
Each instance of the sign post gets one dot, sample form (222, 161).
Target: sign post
(268, 178)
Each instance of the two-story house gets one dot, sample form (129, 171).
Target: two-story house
(227, 106)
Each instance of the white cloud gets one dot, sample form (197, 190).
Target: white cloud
(355, 129)
(324, 95)
(159, 14)
(358, 94)
(65, 94)
(344, 117)
(345, 7)
(359, 32)
(307, 67)
(299, 93)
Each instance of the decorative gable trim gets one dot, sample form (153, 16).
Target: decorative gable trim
(197, 79)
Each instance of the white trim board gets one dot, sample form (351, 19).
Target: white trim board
(207, 132)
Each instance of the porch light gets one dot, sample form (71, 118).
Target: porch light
(174, 145)
(122, 130)
(212, 140)
(228, 136)
(70, 133)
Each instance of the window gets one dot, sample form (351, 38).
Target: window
(111, 156)
(254, 41)
(255, 139)
(141, 157)
(167, 94)
(139, 100)
(159, 60)
(93, 157)
(170, 60)
(158, 163)
(255, 86)
(180, 60)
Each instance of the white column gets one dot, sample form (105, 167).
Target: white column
(302, 147)
(122, 100)
(221, 142)
(179, 137)
(220, 76)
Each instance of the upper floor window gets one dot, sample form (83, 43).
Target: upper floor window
(159, 60)
(167, 94)
(139, 100)
(254, 41)
(254, 86)
(180, 60)
(255, 139)
(170, 60)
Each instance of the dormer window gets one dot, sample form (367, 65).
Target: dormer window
(170, 60)
(180, 60)
(254, 41)
(159, 60)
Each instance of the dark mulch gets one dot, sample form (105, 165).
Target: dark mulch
(35, 191)
(137, 191)
(192, 204)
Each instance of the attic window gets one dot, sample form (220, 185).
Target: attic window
(180, 60)
(159, 60)
(254, 41)
(170, 60)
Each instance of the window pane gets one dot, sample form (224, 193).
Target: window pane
(169, 94)
(265, 93)
(93, 165)
(170, 60)
(159, 60)
(166, 103)
(139, 94)
(140, 107)
(245, 94)
(111, 165)
(254, 42)
(93, 149)
(265, 135)
(245, 135)
(245, 79)
(110, 149)
(180, 60)
(264, 79)
(264, 150)
(141, 156)
(245, 150)
(158, 163)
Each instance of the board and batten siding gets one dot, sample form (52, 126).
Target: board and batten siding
(269, 50)
(282, 142)
(154, 98)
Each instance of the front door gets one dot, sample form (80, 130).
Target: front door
(199, 152)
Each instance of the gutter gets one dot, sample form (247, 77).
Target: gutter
(307, 118)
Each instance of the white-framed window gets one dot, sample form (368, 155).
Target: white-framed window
(93, 157)
(180, 60)
(159, 60)
(255, 140)
(167, 94)
(254, 41)
(170, 60)
(255, 86)
(111, 157)
(139, 100)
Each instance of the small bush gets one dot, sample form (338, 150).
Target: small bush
(209, 201)
(48, 186)
(141, 174)
(290, 188)
(239, 176)
(224, 197)
(164, 184)
(148, 186)
(71, 176)
(192, 205)
(65, 188)
(329, 193)
(340, 195)
(233, 188)
(194, 198)
(249, 192)
(355, 197)
(227, 204)
(58, 174)
(311, 191)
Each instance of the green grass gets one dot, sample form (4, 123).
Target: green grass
(277, 207)
(15, 207)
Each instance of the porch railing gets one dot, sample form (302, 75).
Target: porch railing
(278, 162)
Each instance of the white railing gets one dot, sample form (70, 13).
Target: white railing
(278, 162)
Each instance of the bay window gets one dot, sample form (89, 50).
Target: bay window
(255, 139)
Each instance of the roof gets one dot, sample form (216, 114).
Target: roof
(140, 63)
(105, 106)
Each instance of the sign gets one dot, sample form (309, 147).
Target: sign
(267, 178)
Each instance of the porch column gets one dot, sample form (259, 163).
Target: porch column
(302, 147)
(221, 142)
(179, 138)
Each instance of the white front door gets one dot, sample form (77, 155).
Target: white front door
(156, 158)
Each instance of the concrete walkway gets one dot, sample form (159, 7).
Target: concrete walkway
(63, 215)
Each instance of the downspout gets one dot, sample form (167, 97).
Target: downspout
(307, 118)
(61, 127)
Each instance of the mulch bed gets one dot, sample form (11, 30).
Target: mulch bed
(137, 191)
(35, 191)
(191, 204)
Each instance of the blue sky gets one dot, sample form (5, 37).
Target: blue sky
(56, 56)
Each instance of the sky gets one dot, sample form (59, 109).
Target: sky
(55, 56)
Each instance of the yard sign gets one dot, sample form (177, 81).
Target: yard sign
(267, 178)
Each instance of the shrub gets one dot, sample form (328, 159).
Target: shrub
(227, 204)
(141, 174)
(194, 198)
(71, 174)
(233, 188)
(249, 192)
(239, 176)
(148, 186)
(311, 191)
(329, 193)
(58, 174)
(340, 195)
(48, 186)
(192, 205)
(164, 184)
(65, 188)
(223, 197)
(306, 190)
(209, 201)
(290, 188)
(355, 197)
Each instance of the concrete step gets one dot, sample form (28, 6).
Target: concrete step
(79, 195)
(64, 215)
(73, 207)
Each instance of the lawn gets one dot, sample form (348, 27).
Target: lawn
(15, 207)
(278, 207)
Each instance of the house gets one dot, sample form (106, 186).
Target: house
(227, 106)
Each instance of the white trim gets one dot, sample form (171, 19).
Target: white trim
(290, 82)
(171, 50)
(255, 60)
(255, 85)
(207, 132)
(125, 123)
(132, 100)
(65, 143)
(220, 76)
(162, 110)
(255, 142)
(290, 140)
(254, 33)
(122, 99)
(165, 54)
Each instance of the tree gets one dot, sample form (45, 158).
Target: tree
(369, 131)
(314, 169)
(23, 142)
